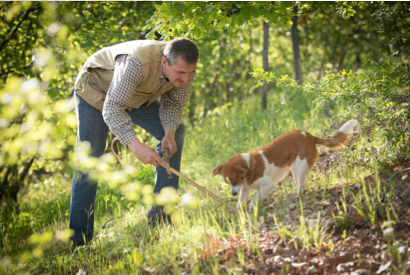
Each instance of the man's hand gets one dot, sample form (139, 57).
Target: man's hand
(146, 154)
(168, 142)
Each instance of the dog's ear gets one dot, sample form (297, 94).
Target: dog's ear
(217, 170)
(241, 171)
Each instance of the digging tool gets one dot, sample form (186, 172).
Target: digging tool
(202, 189)
(166, 158)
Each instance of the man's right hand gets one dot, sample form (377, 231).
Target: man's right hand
(146, 154)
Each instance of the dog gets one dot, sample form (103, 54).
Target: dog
(264, 168)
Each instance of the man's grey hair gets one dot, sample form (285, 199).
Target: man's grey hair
(181, 47)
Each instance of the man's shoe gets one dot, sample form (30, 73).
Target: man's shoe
(156, 216)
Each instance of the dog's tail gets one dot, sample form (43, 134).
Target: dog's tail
(342, 136)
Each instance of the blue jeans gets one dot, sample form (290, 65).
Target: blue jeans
(92, 128)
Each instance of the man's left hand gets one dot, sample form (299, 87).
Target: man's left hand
(168, 142)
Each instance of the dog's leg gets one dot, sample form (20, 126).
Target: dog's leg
(243, 197)
(302, 170)
(263, 193)
(296, 184)
(294, 174)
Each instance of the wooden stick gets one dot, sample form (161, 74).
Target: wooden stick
(209, 193)
(201, 188)
(112, 148)
(166, 158)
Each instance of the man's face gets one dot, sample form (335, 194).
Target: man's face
(179, 73)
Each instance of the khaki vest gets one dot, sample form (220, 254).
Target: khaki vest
(95, 76)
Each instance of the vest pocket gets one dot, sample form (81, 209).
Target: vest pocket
(82, 82)
(100, 79)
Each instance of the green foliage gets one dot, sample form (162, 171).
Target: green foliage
(197, 19)
(379, 96)
(42, 43)
(393, 21)
(35, 133)
(221, 76)
(339, 35)
(269, 77)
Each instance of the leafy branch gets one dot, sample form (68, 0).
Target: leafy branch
(16, 27)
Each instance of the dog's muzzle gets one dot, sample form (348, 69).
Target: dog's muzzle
(235, 190)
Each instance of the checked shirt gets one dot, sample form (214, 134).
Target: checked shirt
(128, 74)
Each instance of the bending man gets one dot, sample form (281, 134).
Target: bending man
(117, 87)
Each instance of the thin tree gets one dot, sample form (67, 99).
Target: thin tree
(295, 46)
(264, 101)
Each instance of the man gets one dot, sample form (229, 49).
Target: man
(117, 87)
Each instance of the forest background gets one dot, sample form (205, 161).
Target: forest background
(265, 68)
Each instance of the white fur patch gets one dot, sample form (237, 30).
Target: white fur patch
(271, 175)
(301, 166)
(247, 157)
(302, 170)
(303, 133)
(265, 160)
(235, 189)
(228, 181)
(347, 128)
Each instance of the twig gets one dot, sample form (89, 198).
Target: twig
(107, 221)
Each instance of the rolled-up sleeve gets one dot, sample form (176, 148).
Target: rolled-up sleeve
(128, 74)
(173, 102)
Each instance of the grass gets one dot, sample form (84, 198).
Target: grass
(206, 238)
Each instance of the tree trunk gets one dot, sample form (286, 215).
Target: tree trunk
(264, 99)
(295, 47)
(13, 182)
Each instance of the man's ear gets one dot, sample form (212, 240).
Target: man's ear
(217, 170)
(164, 61)
(241, 171)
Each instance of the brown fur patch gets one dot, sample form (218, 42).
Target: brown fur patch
(256, 167)
(282, 151)
(336, 141)
(234, 168)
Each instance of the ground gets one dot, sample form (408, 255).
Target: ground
(362, 238)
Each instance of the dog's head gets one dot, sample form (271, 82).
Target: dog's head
(234, 171)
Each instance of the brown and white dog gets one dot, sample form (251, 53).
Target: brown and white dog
(264, 168)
